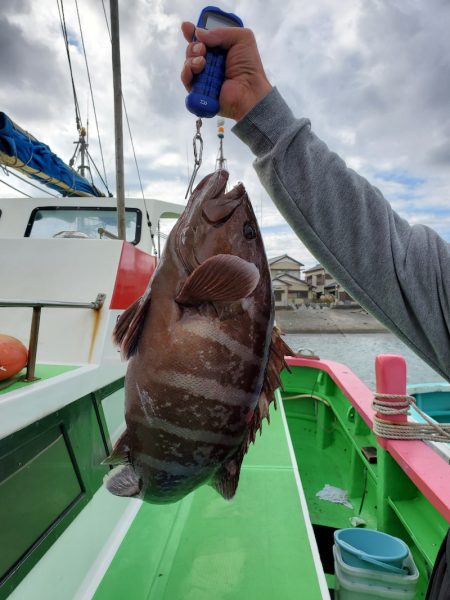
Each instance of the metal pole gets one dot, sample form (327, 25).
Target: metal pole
(32, 346)
(120, 186)
(83, 145)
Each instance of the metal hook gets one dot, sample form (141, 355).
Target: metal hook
(197, 140)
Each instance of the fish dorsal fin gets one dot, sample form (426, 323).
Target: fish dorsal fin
(120, 454)
(221, 278)
(275, 364)
(227, 478)
(123, 481)
(128, 329)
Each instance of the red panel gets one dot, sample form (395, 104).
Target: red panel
(427, 469)
(133, 274)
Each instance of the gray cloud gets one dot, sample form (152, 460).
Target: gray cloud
(372, 76)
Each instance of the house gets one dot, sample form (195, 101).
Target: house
(288, 286)
(319, 278)
(325, 284)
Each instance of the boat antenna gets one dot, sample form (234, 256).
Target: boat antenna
(118, 126)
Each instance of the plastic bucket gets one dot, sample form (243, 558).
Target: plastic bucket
(371, 549)
(352, 583)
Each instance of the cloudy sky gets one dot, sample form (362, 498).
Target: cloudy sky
(373, 76)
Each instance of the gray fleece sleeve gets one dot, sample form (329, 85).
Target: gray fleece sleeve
(399, 273)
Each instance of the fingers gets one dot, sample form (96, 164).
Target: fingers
(195, 52)
(188, 30)
(191, 67)
(225, 37)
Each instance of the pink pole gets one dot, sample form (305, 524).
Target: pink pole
(390, 373)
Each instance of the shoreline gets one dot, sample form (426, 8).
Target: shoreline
(327, 320)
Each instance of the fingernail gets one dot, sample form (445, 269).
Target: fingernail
(196, 48)
(196, 60)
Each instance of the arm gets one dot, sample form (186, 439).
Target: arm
(399, 273)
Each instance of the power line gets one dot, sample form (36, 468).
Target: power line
(126, 113)
(92, 97)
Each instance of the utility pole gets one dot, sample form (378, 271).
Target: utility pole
(118, 127)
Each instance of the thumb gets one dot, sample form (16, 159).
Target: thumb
(225, 37)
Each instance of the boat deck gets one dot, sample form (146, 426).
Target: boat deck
(43, 372)
(260, 545)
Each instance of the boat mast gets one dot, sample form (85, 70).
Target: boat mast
(118, 128)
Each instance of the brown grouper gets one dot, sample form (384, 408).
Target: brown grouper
(204, 357)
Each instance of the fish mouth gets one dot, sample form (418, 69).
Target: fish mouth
(208, 203)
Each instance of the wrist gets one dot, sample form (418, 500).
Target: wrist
(250, 99)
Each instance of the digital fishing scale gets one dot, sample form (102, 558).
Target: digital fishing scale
(203, 100)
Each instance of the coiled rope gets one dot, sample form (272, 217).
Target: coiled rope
(396, 404)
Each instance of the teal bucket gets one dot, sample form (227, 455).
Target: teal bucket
(371, 549)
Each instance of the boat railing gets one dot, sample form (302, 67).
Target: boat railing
(37, 306)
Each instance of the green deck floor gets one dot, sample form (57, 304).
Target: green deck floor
(42, 372)
(204, 548)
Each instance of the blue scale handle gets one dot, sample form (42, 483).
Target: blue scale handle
(203, 100)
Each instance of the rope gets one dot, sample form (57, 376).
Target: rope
(398, 404)
(62, 19)
(92, 98)
(14, 188)
(28, 182)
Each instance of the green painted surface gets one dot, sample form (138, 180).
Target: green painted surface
(328, 440)
(42, 372)
(255, 546)
(49, 468)
(49, 471)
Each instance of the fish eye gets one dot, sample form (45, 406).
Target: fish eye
(249, 231)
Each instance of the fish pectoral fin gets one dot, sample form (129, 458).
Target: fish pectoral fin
(226, 480)
(123, 481)
(120, 454)
(221, 278)
(130, 324)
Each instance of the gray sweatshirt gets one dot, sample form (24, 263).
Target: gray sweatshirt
(399, 273)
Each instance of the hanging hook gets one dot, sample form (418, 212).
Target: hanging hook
(198, 152)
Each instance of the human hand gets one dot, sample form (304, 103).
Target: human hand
(245, 80)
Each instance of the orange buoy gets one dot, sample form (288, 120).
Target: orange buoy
(13, 356)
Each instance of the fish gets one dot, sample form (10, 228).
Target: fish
(204, 355)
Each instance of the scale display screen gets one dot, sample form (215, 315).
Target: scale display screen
(213, 21)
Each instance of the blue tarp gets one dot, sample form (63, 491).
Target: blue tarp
(20, 150)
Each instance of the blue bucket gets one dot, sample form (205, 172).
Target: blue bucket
(371, 549)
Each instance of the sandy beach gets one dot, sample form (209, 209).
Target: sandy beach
(327, 320)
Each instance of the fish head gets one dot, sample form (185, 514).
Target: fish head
(218, 222)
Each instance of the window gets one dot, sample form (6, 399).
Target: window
(278, 295)
(55, 221)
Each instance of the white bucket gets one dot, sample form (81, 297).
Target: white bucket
(353, 583)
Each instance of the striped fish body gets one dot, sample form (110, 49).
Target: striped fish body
(201, 351)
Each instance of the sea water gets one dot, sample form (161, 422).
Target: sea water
(359, 350)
